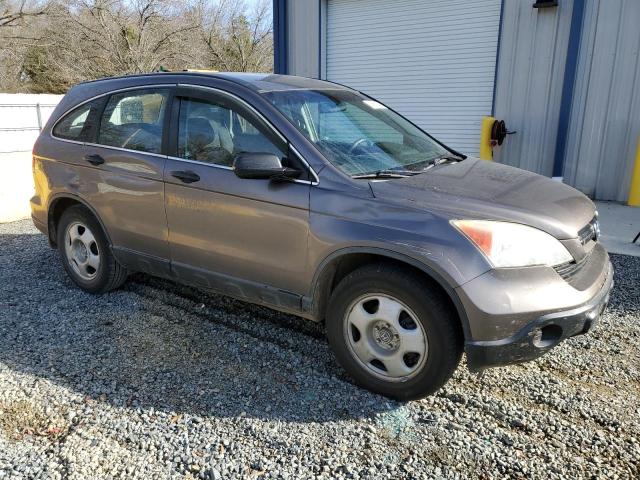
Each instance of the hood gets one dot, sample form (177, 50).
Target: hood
(478, 189)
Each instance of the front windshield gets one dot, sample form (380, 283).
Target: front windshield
(358, 135)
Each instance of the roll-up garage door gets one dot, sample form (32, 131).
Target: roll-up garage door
(434, 61)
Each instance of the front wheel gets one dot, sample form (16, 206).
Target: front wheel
(393, 332)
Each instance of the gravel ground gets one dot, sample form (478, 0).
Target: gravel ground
(158, 380)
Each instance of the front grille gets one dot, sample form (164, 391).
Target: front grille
(570, 269)
(589, 233)
(581, 275)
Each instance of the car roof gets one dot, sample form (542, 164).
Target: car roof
(273, 82)
(260, 82)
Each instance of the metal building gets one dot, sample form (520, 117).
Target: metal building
(563, 74)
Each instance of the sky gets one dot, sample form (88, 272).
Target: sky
(251, 3)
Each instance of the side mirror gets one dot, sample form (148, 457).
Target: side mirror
(262, 166)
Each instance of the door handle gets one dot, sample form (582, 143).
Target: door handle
(94, 159)
(186, 176)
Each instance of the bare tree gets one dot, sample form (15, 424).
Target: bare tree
(12, 12)
(235, 40)
(127, 37)
(15, 16)
(75, 40)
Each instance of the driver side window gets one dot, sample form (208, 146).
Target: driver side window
(134, 120)
(213, 132)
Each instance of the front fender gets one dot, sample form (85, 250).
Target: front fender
(339, 221)
(312, 303)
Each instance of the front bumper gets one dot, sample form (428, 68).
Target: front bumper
(538, 332)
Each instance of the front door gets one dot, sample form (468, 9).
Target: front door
(244, 237)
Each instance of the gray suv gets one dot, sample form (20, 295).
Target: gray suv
(317, 200)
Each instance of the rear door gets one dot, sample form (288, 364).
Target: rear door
(123, 175)
(245, 237)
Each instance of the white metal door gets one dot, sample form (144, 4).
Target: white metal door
(433, 61)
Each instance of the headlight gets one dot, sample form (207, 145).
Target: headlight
(512, 244)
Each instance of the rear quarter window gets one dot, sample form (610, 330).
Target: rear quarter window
(80, 123)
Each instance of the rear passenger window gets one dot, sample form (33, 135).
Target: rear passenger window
(134, 120)
(78, 124)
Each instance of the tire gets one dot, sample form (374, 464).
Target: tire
(87, 257)
(391, 308)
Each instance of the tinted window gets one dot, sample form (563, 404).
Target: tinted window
(79, 123)
(213, 133)
(134, 120)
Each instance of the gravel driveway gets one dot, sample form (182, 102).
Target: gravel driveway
(159, 380)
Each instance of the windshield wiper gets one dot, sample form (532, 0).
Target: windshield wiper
(387, 174)
(434, 162)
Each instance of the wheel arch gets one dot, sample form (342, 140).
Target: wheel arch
(58, 205)
(341, 262)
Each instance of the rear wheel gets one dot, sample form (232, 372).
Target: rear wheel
(85, 252)
(393, 332)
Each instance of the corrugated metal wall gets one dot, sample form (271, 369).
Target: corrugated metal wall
(604, 122)
(433, 61)
(303, 24)
(605, 115)
(531, 64)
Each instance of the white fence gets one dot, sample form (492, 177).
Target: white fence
(22, 116)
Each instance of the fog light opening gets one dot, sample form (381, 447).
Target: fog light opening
(547, 336)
